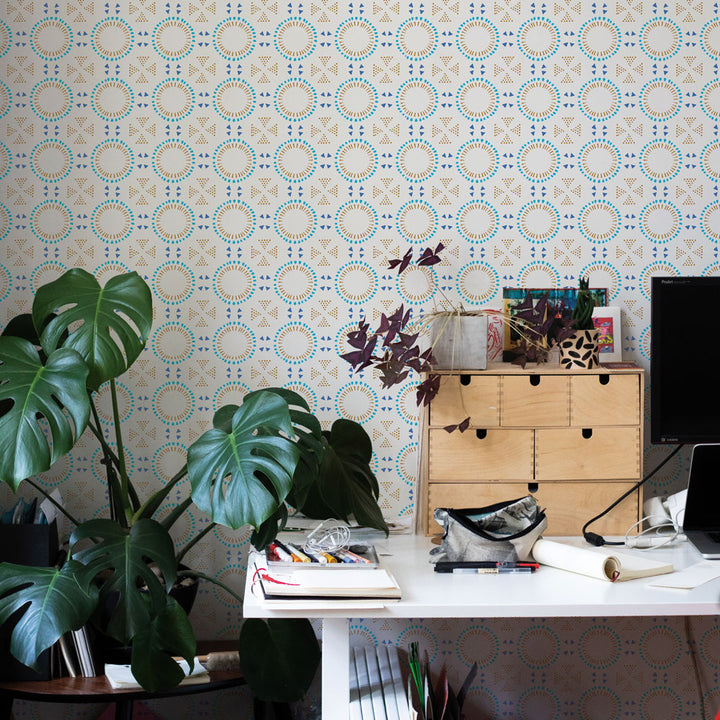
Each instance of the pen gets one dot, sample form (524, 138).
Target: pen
(295, 551)
(494, 571)
(282, 554)
(354, 557)
(293, 555)
(446, 566)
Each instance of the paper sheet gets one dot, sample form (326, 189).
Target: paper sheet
(120, 676)
(691, 577)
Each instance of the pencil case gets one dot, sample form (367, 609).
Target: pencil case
(502, 532)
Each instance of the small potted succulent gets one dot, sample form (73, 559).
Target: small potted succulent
(580, 350)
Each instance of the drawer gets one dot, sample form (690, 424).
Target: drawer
(493, 454)
(568, 505)
(598, 453)
(604, 399)
(534, 400)
(461, 396)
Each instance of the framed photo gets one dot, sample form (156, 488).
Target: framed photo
(564, 299)
(607, 321)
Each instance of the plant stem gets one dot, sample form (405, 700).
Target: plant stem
(154, 501)
(44, 492)
(195, 540)
(110, 461)
(124, 481)
(175, 513)
(215, 581)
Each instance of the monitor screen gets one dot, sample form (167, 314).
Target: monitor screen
(685, 360)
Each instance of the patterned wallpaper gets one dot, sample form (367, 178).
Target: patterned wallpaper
(258, 163)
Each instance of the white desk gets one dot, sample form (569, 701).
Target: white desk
(426, 594)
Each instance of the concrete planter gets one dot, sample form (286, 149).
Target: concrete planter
(459, 342)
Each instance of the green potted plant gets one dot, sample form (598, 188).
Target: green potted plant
(256, 456)
(580, 350)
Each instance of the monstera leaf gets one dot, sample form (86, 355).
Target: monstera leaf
(153, 647)
(240, 473)
(344, 483)
(123, 555)
(43, 408)
(108, 326)
(54, 602)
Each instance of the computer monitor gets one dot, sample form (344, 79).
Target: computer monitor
(685, 360)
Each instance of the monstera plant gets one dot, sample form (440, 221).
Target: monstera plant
(119, 571)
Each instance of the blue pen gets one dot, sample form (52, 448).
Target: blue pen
(342, 555)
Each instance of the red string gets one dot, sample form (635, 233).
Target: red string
(263, 575)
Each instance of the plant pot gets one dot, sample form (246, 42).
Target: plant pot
(580, 350)
(459, 342)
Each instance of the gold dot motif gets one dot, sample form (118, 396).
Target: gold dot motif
(112, 38)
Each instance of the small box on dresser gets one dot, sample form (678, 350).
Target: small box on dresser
(573, 439)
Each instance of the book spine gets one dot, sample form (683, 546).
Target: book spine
(67, 651)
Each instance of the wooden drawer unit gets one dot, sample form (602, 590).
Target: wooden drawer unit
(598, 453)
(490, 455)
(604, 399)
(535, 400)
(573, 439)
(461, 396)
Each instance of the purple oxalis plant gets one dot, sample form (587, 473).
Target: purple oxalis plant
(545, 325)
(392, 349)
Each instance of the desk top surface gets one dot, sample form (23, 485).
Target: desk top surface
(547, 592)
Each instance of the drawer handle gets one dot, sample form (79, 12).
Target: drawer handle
(533, 487)
(604, 379)
(587, 433)
(534, 380)
(481, 433)
(465, 379)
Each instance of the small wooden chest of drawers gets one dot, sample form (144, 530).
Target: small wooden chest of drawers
(571, 439)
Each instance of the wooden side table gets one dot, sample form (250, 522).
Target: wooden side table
(98, 690)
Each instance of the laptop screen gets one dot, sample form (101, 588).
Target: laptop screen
(702, 507)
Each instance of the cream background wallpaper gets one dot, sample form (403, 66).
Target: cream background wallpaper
(259, 162)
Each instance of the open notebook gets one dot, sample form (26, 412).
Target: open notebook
(601, 563)
(310, 583)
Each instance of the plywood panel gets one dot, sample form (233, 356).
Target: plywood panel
(604, 400)
(494, 455)
(534, 401)
(606, 453)
(461, 396)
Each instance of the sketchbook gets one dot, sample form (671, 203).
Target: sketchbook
(600, 563)
(308, 583)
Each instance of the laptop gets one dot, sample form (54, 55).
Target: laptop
(701, 523)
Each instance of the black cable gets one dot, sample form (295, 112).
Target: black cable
(598, 540)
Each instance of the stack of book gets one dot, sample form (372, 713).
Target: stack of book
(282, 580)
(73, 655)
(377, 690)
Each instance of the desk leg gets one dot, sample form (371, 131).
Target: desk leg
(335, 668)
(6, 705)
(123, 710)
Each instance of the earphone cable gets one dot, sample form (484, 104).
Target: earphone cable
(598, 540)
